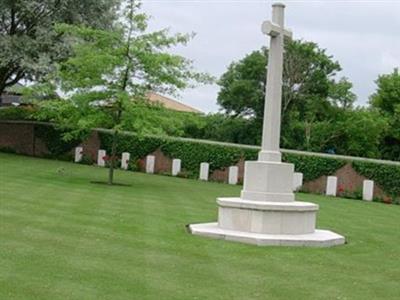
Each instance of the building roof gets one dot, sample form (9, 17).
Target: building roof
(170, 103)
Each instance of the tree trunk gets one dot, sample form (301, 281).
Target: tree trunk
(112, 158)
(308, 135)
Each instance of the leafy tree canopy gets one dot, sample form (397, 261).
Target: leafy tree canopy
(387, 100)
(106, 78)
(309, 84)
(29, 43)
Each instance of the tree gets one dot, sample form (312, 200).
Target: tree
(310, 91)
(387, 96)
(107, 76)
(29, 43)
(386, 99)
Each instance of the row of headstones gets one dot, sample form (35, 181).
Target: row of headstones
(233, 177)
(367, 191)
(150, 164)
(332, 186)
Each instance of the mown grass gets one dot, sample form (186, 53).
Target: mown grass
(62, 237)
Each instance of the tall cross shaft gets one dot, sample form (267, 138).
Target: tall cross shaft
(270, 150)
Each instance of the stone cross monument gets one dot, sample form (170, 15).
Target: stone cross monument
(266, 212)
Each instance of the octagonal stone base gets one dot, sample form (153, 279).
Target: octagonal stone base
(319, 238)
(266, 217)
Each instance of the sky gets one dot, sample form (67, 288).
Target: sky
(363, 36)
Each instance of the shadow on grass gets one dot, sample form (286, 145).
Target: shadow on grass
(114, 184)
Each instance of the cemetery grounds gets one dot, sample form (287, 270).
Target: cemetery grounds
(62, 237)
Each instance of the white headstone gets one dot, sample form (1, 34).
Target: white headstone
(176, 166)
(204, 167)
(101, 154)
(297, 181)
(150, 162)
(331, 186)
(125, 160)
(78, 154)
(368, 190)
(233, 175)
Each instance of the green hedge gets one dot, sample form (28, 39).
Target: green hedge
(313, 167)
(218, 155)
(15, 113)
(386, 176)
(193, 153)
(53, 139)
(137, 146)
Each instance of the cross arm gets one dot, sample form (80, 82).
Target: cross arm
(274, 30)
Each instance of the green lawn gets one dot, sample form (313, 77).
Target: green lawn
(62, 237)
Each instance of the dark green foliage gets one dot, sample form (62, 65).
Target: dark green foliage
(15, 113)
(137, 146)
(29, 44)
(53, 138)
(387, 100)
(194, 153)
(222, 128)
(7, 150)
(386, 176)
(251, 154)
(313, 167)
(87, 160)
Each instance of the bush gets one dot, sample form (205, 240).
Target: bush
(87, 160)
(58, 147)
(137, 146)
(194, 153)
(15, 113)
(386, 176)
(313, 167)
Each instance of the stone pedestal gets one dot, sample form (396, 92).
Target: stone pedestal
(267, 213)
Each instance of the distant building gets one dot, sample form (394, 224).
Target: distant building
(170, 103)
(11, 96)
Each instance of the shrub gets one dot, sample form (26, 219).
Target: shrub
(313, 167)
(15, 113)
(57, 146)
(386, 176)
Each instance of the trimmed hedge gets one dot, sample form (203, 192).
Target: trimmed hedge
(15, 113)
(386, 176)
(218, 155)
(313, 167)
(192, 154)
(53, 139)
(137, 146)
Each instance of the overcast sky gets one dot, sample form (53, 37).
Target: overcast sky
(364, 36)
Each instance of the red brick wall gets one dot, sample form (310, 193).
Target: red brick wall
(18, 137)
(348, 181)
